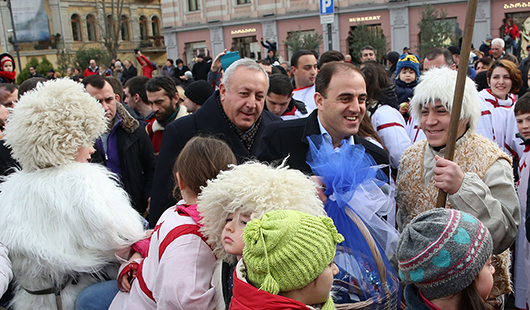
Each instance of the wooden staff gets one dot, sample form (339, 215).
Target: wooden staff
(459, 90)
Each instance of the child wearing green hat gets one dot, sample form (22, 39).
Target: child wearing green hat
(287, 262)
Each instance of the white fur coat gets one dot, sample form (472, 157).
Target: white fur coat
(61, 221)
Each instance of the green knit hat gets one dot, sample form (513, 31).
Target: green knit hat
(286, 250)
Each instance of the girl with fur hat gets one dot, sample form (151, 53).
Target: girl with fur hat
(444, 258)
(287, 262)
(243, 193)
(7, 69)
(62, 218)
(177, 271)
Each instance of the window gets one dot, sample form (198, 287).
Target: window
(194, 5)
(91, 27)
(156, 26)
(143, 28)
(124, 28)
(243, 1)
(110, 25)
(76, 27)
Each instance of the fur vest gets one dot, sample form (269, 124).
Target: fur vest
(473, 153)
(62, 226)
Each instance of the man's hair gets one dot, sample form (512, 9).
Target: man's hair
(367, 47)
(515, 73)
(264, 62)
(280, 84)
(179, 61)
(161, 82)
(9, 87)
(32, 67)
(170, 60)
(116, 86)
(300, 53)
(328, 71)
(246, 63)
(136, 85)
(330, 56)
(437, 51)
(29, 84)
(96, 81)
(522, 105)
(498, 40)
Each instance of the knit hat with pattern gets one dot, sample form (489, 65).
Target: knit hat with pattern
(286, 250)
(442, 251)
(408, 61)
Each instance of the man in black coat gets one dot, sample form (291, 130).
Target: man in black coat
(125, 148)
(200, 69)
(234, 114)
(341, 103)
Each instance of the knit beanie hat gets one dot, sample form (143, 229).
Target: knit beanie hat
(408, 61)
(199, 91)
(442, 251)
(286, 250)
(4, 60)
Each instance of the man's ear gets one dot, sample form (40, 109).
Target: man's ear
(137, 98)
(319, 99)
(175, 100)
(222, 91)
(117, 98)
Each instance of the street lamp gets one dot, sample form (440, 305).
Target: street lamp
(15, 42)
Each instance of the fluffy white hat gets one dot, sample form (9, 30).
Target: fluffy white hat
(50, 123)
(439, 84)
(256, 188)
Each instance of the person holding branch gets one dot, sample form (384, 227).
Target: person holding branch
(478, 181)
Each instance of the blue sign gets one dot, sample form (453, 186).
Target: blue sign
(326, 7)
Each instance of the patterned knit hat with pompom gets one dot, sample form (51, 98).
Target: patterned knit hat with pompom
(286, 250)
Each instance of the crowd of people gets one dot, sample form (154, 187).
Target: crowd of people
(267, 184)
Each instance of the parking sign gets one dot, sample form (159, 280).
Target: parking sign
(326, 7)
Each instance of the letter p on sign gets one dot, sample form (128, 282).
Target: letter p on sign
(326, 7)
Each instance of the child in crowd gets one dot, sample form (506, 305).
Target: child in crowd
(177, 270)
(522, 246)
(408, 73)
(444, 258)
(242, 193)
(287, 262)
(63, 218)
(7, 69)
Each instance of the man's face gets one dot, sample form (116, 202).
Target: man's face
(7, 99)
(107, 98)
(163, 106)
(277, 104)
(31, 70)
(68, 72)
(4, 114)
(127, 64)
(305, 73)
(267, 68)
(367, 55)
(191, 107)
(343, 108)
(50, 74)
(435, 121)
(168, 64)
(199, 59)
(437, 62)
(496, 50)
(243, 102)
(92, 63)
(129, 100)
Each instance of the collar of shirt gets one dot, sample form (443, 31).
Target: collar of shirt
(327, 136)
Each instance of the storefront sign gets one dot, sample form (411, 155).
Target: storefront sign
(517, 5)
(240, 31)
(365, 19)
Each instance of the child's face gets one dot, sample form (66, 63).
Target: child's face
(319, 289)
(407, 75)
(484, 280)
(8, 66)
(232, 235)
(523, 125)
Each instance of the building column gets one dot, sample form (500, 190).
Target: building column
(135, 26)
(335, 35)
(170, 40)
(217, 39)
(399, 27)
(4, 26)
(482, 22)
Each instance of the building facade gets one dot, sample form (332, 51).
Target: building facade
(210, 26)
(76, 24)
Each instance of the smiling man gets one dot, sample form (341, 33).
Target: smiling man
(234, 113)
(479, 181)
(340, 98)
(304, 66)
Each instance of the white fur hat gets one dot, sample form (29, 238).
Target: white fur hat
(256, 188)
(50, 123)
(439, 84)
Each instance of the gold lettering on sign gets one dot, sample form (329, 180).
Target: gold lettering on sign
(239, 31)
(364, 19)
(517, 5)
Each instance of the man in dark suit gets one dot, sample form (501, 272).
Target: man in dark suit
(234, 114)
(340, 98)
